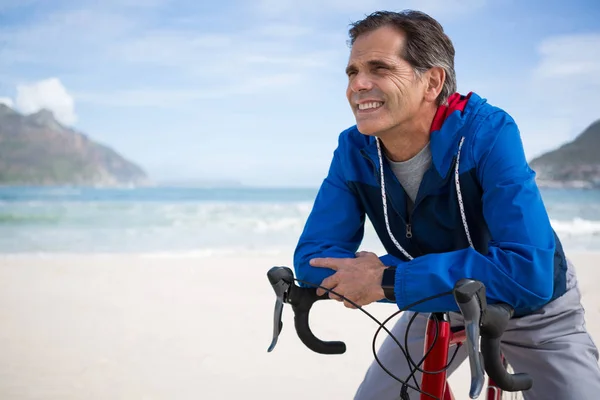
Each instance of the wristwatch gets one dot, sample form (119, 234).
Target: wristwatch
(388, 282)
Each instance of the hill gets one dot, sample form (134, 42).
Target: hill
(36, 149)
(574, 164)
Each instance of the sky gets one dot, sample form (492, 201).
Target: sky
(254, 91)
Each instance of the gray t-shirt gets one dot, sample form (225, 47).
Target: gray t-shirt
(410, 172)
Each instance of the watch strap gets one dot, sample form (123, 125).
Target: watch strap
(388, 282)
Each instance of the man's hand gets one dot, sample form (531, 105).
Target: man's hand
(358, 279)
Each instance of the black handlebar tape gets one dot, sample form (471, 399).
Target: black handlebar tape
(492, 358)
(311, 341)
(302, 300)
(494, 324)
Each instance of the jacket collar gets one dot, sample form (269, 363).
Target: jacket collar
(447, 125)
(446, 131)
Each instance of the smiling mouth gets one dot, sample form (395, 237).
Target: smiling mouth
(370, 106)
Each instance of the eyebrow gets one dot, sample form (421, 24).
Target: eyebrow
(370, 63)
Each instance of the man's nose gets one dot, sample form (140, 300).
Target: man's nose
(361, 82)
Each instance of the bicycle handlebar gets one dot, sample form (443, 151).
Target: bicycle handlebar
(481, 320)
(301, 299)
(488, 321)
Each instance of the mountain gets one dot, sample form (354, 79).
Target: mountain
(575, 164)
(36, 149)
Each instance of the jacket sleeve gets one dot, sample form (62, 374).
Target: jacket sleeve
(518, 268)
(335, 225)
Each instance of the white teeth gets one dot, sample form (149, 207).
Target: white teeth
(366, 106)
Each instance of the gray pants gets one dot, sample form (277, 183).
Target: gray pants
(551, 345)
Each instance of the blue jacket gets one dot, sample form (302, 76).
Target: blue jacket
(516, 253)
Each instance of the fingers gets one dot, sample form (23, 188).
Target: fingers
(347, 304)
(335, 296)
(329, 283)
(348, 279)
(332, 263)
(365, 254)
(337, 263)
(332, 295)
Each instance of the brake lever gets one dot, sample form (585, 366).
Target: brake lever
(277, 324)
(281, 279)
(468, 296)
(301, 299)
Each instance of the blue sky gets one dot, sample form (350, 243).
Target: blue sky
(254, 91)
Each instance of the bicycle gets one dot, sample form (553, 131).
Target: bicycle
(485, 322)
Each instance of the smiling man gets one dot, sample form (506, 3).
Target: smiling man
(444, 180)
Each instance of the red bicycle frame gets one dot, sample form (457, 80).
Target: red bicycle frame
(439, 337)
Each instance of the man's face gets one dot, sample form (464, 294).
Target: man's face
(383, 91)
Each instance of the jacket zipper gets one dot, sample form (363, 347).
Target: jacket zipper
(408, 224)
(409, 213)
(377, 177)
(418, 200)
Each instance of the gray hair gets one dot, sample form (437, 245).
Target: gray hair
(427, 45)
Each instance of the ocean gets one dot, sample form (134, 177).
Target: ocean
(206, 221)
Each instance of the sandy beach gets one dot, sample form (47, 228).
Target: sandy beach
(139, 327)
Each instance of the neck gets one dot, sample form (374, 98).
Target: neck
(409, 138)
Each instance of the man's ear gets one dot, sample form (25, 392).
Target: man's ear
(434, 81)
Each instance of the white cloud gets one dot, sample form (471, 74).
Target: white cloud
(49, 94)
(224, 55)
(6, 101)
(568, 75)
(292, 9)
(127, 53)
(76, 38)
(284, 30)
(176, 98)
(561, 98)
(8, 5)
(570, 56)
(124, 51)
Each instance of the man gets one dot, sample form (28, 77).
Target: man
(444, 180)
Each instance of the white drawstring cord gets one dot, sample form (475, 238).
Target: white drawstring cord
(384, 199)
(458, 193)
